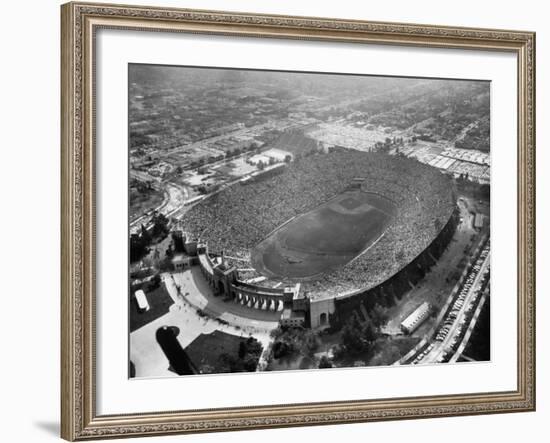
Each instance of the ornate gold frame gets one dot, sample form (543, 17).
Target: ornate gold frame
(79, 21)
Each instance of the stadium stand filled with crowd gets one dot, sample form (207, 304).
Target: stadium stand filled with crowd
(239, 217)
(295, 142)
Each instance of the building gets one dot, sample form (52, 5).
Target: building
(357, 182)
(320, 312)
(479, 221)
(181, 262)
(416, 318)
(296, 308)
(299, 300)
(141, 300)
(291, 318)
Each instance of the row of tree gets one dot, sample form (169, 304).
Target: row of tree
(357, 337)
(140, 243)
(246, 360)
(293, 341)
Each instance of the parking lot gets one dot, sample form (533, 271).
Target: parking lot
(450, 332)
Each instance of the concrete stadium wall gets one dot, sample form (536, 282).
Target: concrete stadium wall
(319, 310)
(226, 282)
(335, 311)
(402, 281)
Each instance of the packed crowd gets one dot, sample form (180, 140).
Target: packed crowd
(238, 218)
(295, 142)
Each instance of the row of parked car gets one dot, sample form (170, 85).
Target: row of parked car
(457, 312)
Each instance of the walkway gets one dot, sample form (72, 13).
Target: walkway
(194, 294)
(455, 324)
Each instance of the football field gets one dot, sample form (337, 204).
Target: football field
(324, 238)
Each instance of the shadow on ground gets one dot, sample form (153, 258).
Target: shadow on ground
(49, 427)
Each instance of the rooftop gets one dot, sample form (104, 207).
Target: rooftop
(178, 258)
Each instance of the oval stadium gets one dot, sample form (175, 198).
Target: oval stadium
(342, 227)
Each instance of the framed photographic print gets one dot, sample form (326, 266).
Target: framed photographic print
(282, 221)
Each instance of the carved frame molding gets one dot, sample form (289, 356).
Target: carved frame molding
(79, 24)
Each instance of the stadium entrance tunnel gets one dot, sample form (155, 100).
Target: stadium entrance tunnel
(326, 237)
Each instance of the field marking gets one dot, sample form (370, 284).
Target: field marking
(302, 254)
(368, 247)
(277, 240)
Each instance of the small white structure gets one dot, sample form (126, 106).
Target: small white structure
(416, 318)
(141, 300)
(180, 262)
(479, 221)
(278, 155)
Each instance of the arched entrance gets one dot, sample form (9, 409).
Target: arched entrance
(323, 319)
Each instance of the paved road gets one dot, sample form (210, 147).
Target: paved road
(204, 143)
(440, 348)
(195, 291)
(175, 197)
(145, 352)
(434, 287)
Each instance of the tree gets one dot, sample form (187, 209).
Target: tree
(160, 225)
(155, 281)
(288, 158)
(368, 332)
(485, 191)
(351, 336)
(310, 344)
(282, 349)
(242, 350)
(247, 357)
(325, 362)
(145, 236)
(250, 362)
(378, 315)
(137, 247)
(253, 346)
(357, 338)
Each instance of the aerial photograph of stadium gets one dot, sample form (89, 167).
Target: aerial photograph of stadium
(297, 220)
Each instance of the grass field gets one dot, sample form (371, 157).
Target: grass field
(324, 238)
(207, 352)
(159, 302)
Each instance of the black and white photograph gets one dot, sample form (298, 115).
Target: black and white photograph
(275, 221)
(301, 220)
